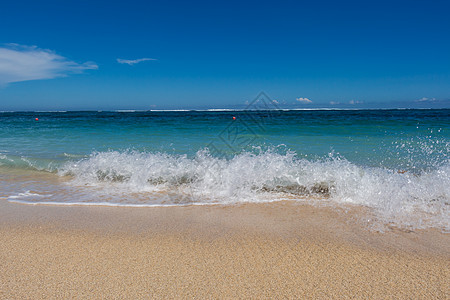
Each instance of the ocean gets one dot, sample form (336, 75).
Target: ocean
(395, 164)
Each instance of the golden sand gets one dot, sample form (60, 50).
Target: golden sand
(253, 251)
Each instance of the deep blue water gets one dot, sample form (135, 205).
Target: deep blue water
(391, 138)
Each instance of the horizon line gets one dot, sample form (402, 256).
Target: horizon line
(217, 110)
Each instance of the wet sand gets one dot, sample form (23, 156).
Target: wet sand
(259, 251)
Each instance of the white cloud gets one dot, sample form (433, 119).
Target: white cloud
(334, 103)
(303, 100)
(22, 63)
(425, 99)
(355, 102)
(133, 61)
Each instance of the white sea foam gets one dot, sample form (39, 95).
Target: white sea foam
(166, 110)
(70, 155)
(108, 204)
(416, 200)
(50, 111)
(128, 110)
(26, 195)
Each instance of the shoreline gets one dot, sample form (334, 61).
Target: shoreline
(251, 250)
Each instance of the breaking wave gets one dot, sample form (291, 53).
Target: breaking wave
(419, 199)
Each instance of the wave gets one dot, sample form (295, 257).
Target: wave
(128, 110)
(25, 195)
(400, 197)
(412, 198)
(108, 204)
(28, 163)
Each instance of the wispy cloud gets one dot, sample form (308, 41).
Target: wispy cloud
(353, 102)
(425, 99)
(133, 61)
(303, 100)
(23, 63)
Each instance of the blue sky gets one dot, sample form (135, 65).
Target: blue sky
(192, 54)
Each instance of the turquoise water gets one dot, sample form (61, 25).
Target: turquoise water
(395, 162)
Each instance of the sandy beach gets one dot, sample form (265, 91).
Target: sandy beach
(224, 150)
(248, 251)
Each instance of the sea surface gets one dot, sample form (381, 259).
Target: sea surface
(395, 164)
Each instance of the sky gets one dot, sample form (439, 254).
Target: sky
(91, 55)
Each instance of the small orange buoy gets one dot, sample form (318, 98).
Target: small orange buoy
(37, 119)
(234, 118)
